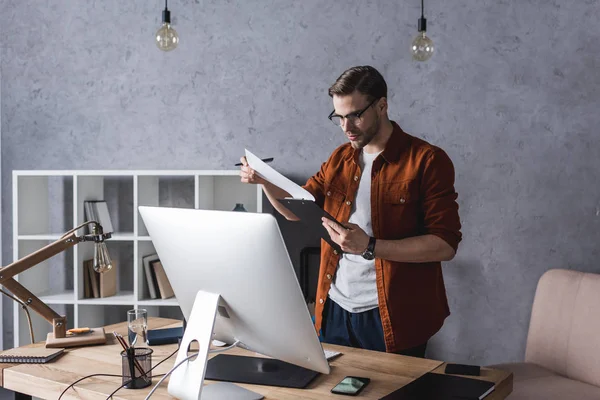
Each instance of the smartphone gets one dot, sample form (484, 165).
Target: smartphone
(351, 385)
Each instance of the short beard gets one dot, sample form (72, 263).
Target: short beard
(367, 136)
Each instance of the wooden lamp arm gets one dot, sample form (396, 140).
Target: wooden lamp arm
(7, 274)
(38, 256)
(57, 321)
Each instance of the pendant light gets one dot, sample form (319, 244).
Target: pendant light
(166, 36)
(422, 47)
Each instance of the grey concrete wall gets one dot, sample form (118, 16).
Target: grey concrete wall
(512, 94)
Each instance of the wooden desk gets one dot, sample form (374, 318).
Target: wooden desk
(388, 372)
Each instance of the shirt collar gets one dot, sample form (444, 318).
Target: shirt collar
(396, 144)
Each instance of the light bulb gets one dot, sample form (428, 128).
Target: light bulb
(166, 37)
(102, 261)
(422, 47)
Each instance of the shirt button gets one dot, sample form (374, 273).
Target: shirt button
(335, 252)
(328, 193)
(402, 200)
(356, 178)
(321, 301)
(328, 276)
(348, 202)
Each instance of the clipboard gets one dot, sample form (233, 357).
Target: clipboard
(310, 214)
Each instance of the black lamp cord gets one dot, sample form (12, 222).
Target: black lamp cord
(166, 14)
(422, 21)
(116, 376)
(25, 308)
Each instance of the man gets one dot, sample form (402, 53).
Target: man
(394, 195)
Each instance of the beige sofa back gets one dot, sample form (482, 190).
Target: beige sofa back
(564, 332)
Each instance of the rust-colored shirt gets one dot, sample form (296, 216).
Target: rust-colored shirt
(412, 194)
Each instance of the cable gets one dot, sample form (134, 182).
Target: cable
(85, 377)
(167, 374)
(123, 385)
(26, 312)
(129, 381)
(111, 375)
(77, 228)
(184, 360)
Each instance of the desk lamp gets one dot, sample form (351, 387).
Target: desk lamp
(102, 263)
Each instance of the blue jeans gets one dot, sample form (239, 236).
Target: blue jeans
(363, 329)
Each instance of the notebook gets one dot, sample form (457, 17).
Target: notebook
(442, 387)
(32, 355)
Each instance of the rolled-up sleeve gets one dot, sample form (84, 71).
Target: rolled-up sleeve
(439, 199)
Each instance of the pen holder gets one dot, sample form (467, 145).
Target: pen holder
(135, 361)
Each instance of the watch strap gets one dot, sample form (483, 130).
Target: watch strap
(371, 245)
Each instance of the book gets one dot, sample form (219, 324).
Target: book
(87, 283)
(164, 287)
(32, 355)
(164, 336)
(99, 285)
(150, 276)
(302, 202)
(433, 386)
(93, 276)
(97, 210)
(108, 281)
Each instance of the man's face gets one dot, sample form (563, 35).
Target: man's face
(360, 130)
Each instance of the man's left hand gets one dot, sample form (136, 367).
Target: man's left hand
(351, 238)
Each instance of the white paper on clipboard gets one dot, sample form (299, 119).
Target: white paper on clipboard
(269, 174)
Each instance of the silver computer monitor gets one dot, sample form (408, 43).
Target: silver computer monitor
(242, 257)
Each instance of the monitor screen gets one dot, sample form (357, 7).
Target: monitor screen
(242, 257)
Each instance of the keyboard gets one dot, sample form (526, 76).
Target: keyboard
(330, 354)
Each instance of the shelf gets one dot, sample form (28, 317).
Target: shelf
(159, 302)
(67, 297)
(122, 236)
(48, 237)
(116, 236)
(47, 204)
(121, 298)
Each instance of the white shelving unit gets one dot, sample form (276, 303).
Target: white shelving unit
(48, 203)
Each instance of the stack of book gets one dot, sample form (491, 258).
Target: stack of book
(156, 278)
(96, 285)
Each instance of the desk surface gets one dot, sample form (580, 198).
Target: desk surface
(388, 372)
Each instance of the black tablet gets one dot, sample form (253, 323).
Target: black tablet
(310, 214)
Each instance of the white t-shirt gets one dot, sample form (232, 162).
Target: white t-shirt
(354, 287)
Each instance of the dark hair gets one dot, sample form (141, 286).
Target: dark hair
(364, 79)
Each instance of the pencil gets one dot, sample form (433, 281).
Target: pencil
(121, 341)
(267, 160)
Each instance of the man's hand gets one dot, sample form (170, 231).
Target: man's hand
(248, 174)
(352, 239)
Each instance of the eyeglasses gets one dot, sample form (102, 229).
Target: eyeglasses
(354, 118)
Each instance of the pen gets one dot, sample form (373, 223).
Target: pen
(263, 160)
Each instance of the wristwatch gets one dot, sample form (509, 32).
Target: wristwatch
(369, 253)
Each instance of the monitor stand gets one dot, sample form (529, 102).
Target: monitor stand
(186, 382)
(258, 371)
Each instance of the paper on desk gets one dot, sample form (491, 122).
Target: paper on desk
(269, 174)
